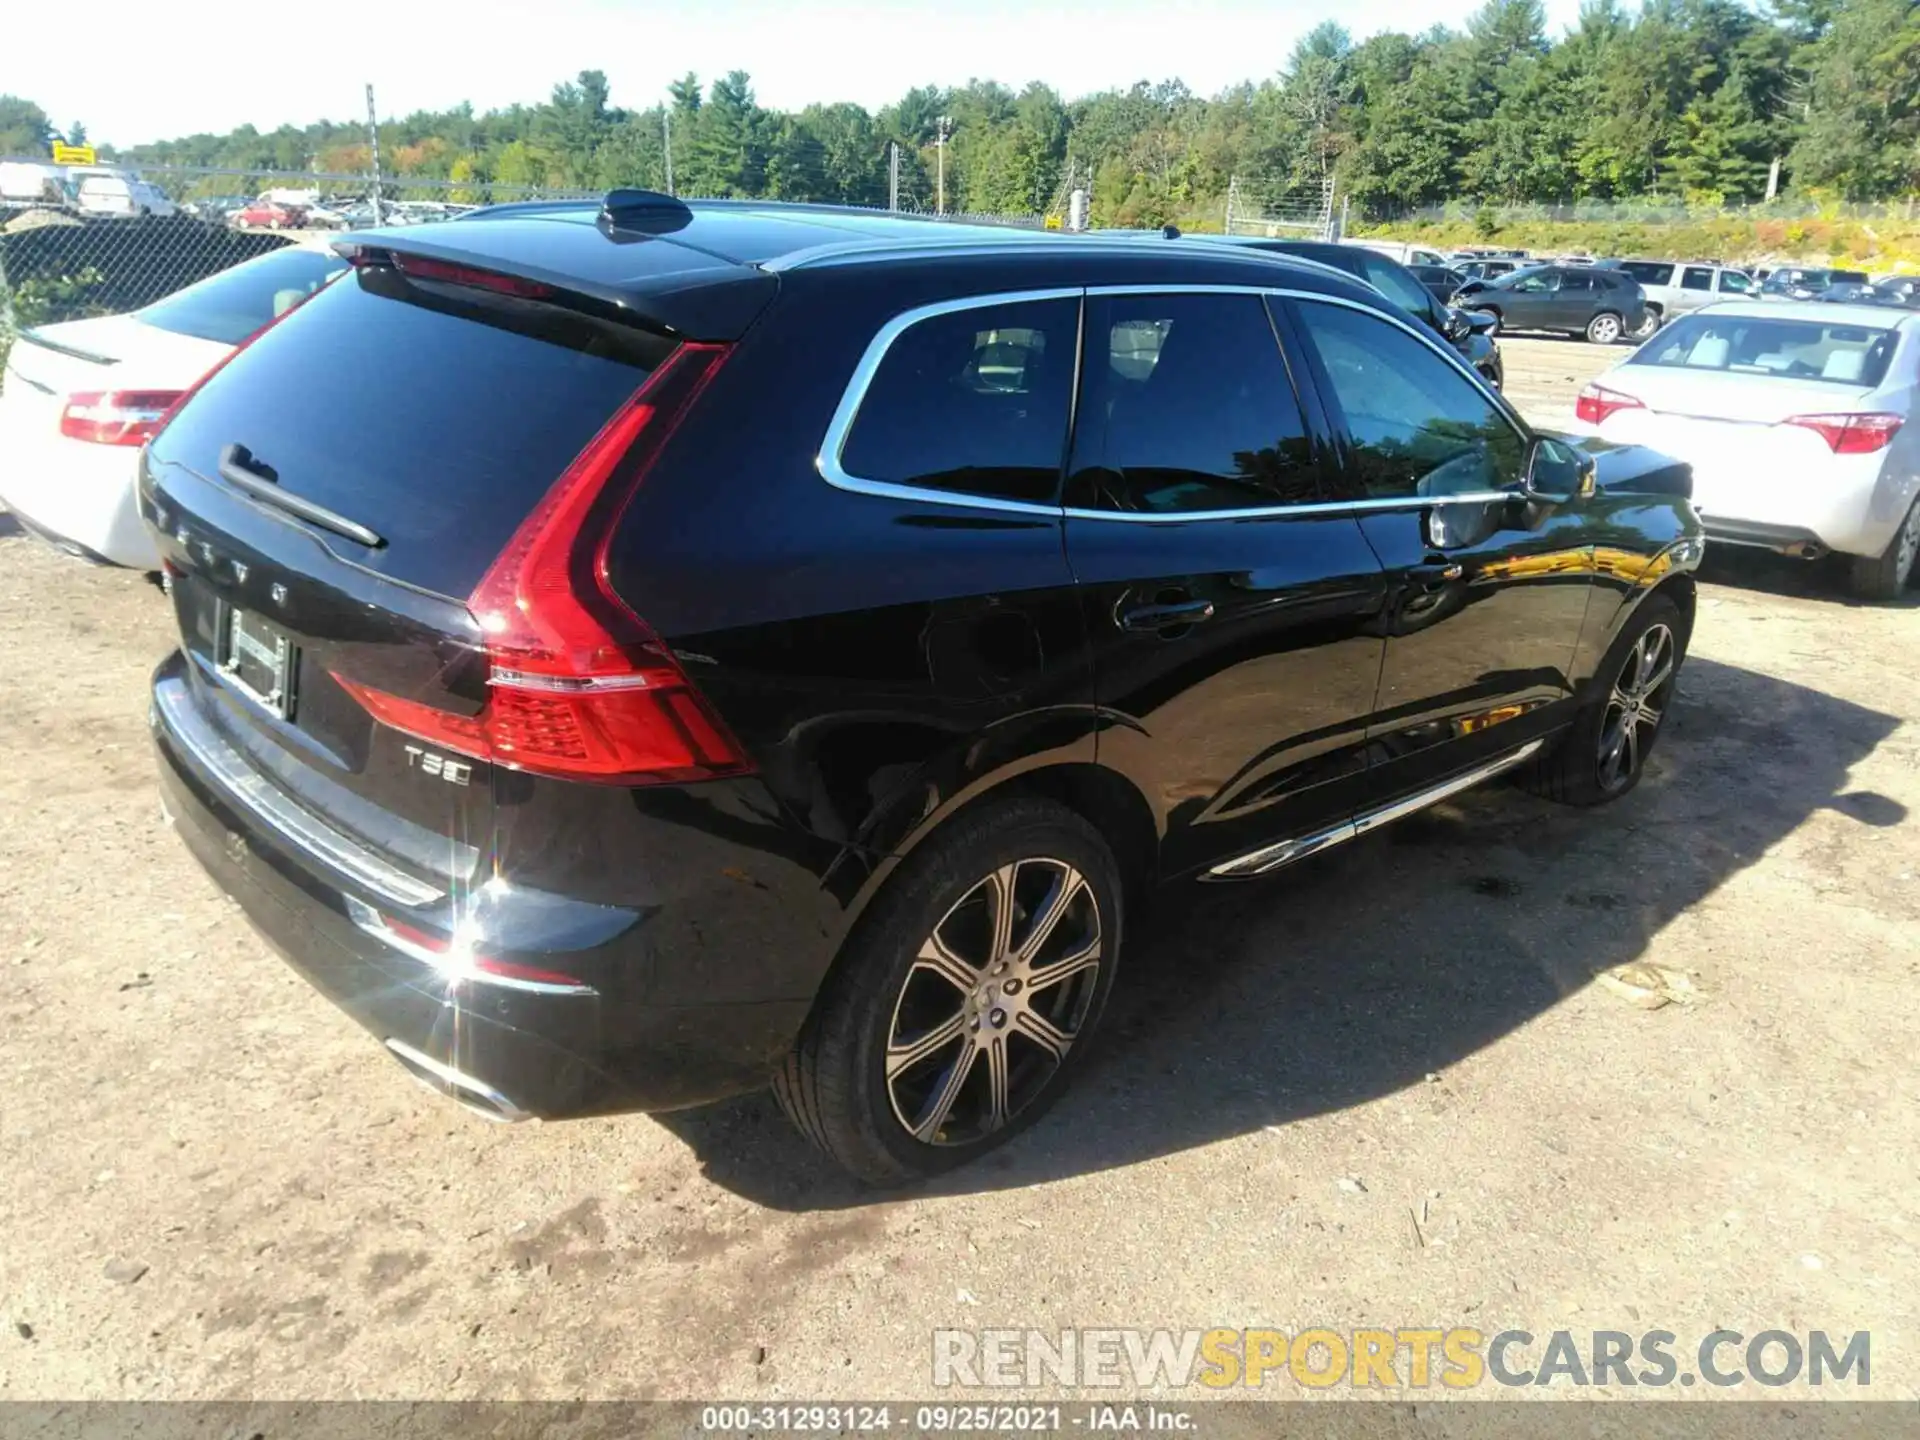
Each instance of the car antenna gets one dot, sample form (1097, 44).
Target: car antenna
(646, 211)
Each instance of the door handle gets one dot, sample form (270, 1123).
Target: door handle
(1166, 617)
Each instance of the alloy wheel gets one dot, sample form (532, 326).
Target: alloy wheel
(1604, 330)
(1907, 546)
(1636, 705)
(994, 1000)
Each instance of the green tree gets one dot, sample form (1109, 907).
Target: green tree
(24, 128)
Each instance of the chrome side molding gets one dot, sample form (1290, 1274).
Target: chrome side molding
(1271, 857)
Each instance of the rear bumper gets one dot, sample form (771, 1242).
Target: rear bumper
(76, 496)
(509, 1053)
(1794, 540)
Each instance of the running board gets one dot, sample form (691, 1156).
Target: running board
(1271, 857)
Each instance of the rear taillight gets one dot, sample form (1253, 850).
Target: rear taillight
(117, 417)
(1596, 403)
(1851, 434)
(578, 686)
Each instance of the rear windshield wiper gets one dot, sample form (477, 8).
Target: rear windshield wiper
(238, 466)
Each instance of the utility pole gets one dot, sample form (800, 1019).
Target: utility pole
(373, 153)
(893, 175)
(1233, 186)
(666, 138)
(1773, 178)
(942, 127)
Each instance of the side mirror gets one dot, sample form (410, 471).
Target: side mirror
(1558, 474)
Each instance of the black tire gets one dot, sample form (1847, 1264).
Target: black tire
(1648, 326)
(1884, 577)
(1577, 770)
(1605, 328)
(834, 1084)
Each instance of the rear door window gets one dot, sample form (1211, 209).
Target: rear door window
(1419, 426)
(1697, 277)
(1733, 282)
(1852, 355)
(1398, 285)
(1649, 272)
(436, 415)
(230, 306)
(973, 402)
(1186, 406)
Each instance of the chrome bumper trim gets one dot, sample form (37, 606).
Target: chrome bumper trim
(229, 772)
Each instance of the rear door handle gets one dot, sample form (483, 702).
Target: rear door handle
(1166, 617)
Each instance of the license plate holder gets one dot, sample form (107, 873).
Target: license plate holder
(258, 658)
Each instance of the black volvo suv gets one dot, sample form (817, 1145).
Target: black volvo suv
(633, 654)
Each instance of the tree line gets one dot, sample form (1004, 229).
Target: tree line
(1705, 101)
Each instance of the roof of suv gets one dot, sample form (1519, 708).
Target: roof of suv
(710, 265)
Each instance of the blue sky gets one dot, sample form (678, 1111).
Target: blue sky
(190, 65)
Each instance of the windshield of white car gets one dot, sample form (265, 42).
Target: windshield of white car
(230, 306)
(1837, 353)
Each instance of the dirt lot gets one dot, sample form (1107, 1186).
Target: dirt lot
(1384, 1089)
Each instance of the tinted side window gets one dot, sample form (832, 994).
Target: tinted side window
(232, 304)
(974, 401)
(1649, 272)
(1397, 285)
(1697, 277)
(1419, 426)
(1735, 283)
(1186, 405)
(1577, 281)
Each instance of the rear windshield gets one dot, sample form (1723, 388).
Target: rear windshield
(1855, 355)
(435, 415)
(230, 306)
(1648, 272)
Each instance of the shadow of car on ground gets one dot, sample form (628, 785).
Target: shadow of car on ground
(1361, 972)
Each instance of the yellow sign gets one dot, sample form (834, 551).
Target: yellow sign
(73, 154)
(1053, 222)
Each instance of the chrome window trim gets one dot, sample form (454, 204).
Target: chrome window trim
(828, 461)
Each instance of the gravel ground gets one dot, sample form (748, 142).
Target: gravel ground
(1383, 1089)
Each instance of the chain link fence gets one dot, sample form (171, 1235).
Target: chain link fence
(102, 242)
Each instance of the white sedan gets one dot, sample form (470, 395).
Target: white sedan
(1798, 420)
(79, 398)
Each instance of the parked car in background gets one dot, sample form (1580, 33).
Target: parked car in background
(1900, 291)
(1441, 280)
(1798, 422)
(1800, 282)
(1473, 339)
(1403, 251)
(1675, 287)
(1602, 305)
(217, 209)
(80, 397)
(31, 182)
(1488, 269)
(539, 779)
(268, 215)
(120, 193)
